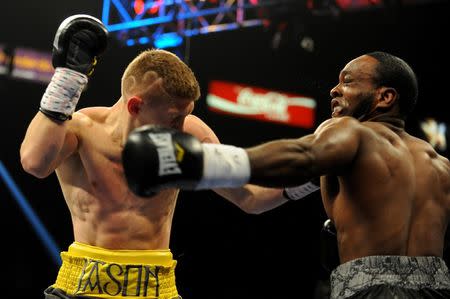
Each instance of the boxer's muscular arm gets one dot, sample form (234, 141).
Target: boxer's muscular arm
(197, 127)
(253, 199)
(276, 164)
(51, 137)
(46, 144)
(289, 162)
(250, 198)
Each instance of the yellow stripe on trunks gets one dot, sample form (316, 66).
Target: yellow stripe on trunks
(96, 272)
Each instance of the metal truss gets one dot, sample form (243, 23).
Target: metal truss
(165, 23)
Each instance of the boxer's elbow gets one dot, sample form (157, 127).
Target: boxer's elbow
(258, 200)
(34, 168)
(242, 197)
(254, 210)
(34, 164)
(250, 209)
(251, 205)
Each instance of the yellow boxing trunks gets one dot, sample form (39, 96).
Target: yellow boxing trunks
(101, 273)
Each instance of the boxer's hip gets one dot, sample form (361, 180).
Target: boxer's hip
(101, 273)
(403, 272)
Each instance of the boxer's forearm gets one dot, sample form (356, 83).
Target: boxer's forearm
(253, 199)
(43, 144)
(50, 137)
(282, 163)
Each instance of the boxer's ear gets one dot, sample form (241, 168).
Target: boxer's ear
(387, 97)
(134, 105)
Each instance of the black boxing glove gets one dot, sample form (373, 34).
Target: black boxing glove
(78, 42)
(156, 158)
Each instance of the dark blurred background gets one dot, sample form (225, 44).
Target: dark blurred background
(222, 252)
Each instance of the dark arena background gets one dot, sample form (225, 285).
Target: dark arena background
(291, 47)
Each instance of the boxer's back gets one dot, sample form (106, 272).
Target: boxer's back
(432, 200)
(392, 200)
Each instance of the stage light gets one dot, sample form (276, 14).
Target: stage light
(144, 40)
(435, 133)
(168, 40)
(139, 7)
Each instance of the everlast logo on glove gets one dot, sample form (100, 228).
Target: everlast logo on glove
(166, 153)
(156, 158)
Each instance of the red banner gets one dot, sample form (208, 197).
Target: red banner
(261, 104)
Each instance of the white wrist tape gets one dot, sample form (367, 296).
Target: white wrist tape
(295, 193)
(224, 166)
(64, 91)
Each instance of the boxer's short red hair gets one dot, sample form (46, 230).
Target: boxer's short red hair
(178, 79)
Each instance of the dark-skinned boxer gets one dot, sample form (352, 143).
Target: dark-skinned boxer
(387, 192)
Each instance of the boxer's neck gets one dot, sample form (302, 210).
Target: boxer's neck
(393, 122)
